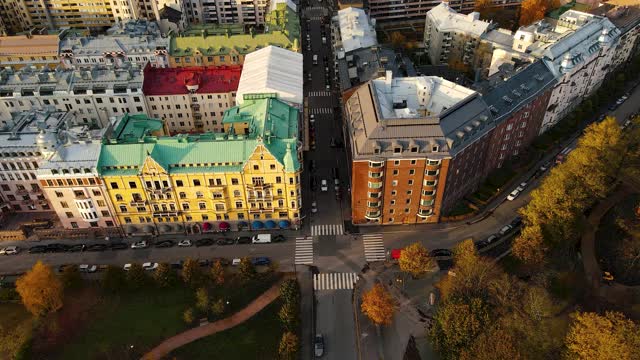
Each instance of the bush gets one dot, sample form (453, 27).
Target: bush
(189, 316)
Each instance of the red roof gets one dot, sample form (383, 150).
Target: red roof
(167, 81)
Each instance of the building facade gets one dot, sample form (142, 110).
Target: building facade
(29, 50)
(23, 15)
(191, 99)
(247, 176)
(417, 146)
(249, 12)
(388, 11)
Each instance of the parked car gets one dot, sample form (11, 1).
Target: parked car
(10, 250)
(204, 262)
(225, 241)
(262, 260)
(513, 195)
(84, 268)
(177, 265)
(97, 247)
(516, 222)
(143, 244)
(323, 185)
(314, 207)
(545, 166)
(150, 266)
(165, 244)
(55, 248)
(395, 254)
(505, 229)
(236, 262)
(204, 242)
(37, 249)
(126, 267)
(441, 252)
(336, 184)
(243, 240)
(318, 345)
(77, 248)
(119, 246)
(261, 239)
(184, 243)
(522, 186)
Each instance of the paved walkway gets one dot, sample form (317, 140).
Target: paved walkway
(194, 334)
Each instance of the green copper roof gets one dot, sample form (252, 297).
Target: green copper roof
(266, 116)
(134, 127)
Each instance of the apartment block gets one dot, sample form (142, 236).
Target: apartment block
(93, 95)
(249, 12)
(417, 145)
(388, 11)
(626, 17)
(23, 15)
(248, 176)
(130, 42)
(191, 99)
(35, 50)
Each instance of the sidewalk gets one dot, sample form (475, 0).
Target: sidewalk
(194, 334)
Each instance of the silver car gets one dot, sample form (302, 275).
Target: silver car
(318, 345)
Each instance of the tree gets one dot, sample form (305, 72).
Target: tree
(247, 269)
(40, 289)
(288, 315)
(397, 39)
(202, 299)
(378, 305)
(289, 344)
(136, 276)
(290, 291)
(534, 10)
(494, 344)
(164, 275)
(472, 273)
(609, 336)
(530, 246)
(415, 260)
(191, 273)
(484, 7)
(71, 278)
(114, 279)
(218, 308)
(217, 273)
(189, 316)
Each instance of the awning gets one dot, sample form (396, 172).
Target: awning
(165, 228)
(224, 226)
(147, 228)
(257, 224)
(131, 229)
(242, 224)
(206, 226)
(270, 224)
(284, 224)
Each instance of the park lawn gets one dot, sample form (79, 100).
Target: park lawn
(256, 339)
(14, 317)
(144, 318)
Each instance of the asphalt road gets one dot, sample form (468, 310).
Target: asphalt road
(335, 322)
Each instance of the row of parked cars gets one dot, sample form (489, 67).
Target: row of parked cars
(514, 225)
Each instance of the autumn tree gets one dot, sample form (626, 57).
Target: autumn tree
(289, 344)
(290, 291)
(218, 308)
(202, 299)
(246, 269)
(534, 10)
(189, 316)
(483, 7)
(164, 275)
(494, 344)
(191, 273)
(609, 336)
(530, 246)
(40, 289)
(378, 305)
(470, 275)
(217, 273)
(114, 278)
(288, 315)
(136, 276)
(415, 260)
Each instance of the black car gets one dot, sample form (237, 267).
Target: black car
(37, 249)
(262, 260)
(243, 240)
(97, 247)
(223, 261)
(62, 267)
(278, 238)
(119, 246)
(441, 252)
(54, 248)
(516, 222)
(165, 244)
(204, 242)
(204, 262)
(225, 241)
(77, 248)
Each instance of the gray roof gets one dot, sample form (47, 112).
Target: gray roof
(369, 63)
(518, 90)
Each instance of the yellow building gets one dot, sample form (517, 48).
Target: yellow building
(22, 50)
(247, 176)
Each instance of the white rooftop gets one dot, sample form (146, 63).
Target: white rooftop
(447, 19)
(272, 70)
(356, 30)
(413, 97)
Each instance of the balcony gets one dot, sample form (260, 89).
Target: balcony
(372, 215)
(263, 197)
(36, 191)
(261, 210)
(27, 202)
(159, 191)
(427, 202)
(165, 213)
(425, 213)
(22, 191)
(258, 186)
(138, 202)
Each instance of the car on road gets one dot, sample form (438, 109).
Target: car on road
(261, 260)
(505, 229)
(97, 247)
(626, 124)
(204, 262)
(516, 222)
(236, 262)
(441, 252)
(545, 166)
(314, 207)
(126, 267)
(204, 242)
(165, 244)
(223, 261)
(279, 238)
(318, 345)
(119, 246)
(312, 117)
(38, 249)
(150, 266)
(225, 241)
(395, 254)
(336, 184)
(184, 243)
(77, 248)
(323, 185)
(143, 244)
(84, 268)
(513, 195)
(313, 184)
(261, 239)
(243, 240)
(522, 186)
(10, 250)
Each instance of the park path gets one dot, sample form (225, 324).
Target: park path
(194, 334)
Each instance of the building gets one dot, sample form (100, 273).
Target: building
(21, 50)
(23, 15)
(250, 12)
(518, 105)
(273, 70)
(355, 31)
(247, 176)
(191, 99)
(137, 41)
(417, 145)
(70, 181)
(27, 140)
(452, 38)
(626, 17)
(93, 96)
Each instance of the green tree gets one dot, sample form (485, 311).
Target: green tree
(191, 273)
(289, 344)
(114, 279)
(71, 278)
(609, 336)
(165, 276)
(217, 273)
(136, 277)
(40, 289)
(202, 299)
(288, 315)
(189, 316)
(290, 291)
(415, 260)
(247, 269)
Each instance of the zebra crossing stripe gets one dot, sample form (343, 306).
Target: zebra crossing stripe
(331, 229)
(304, 251)
(334, 281)
(374, 247)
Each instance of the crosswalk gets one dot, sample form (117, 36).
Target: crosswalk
(321, 110)
(332, 229)
(334, 281)
(373, 247)
(304, 250)
(316, 18)
(319, 93)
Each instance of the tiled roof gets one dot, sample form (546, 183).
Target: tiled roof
(169, 81)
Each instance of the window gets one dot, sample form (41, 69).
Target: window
(393, 193)
(395, 172)
(236, 193)
(179, 183)
(133, 185)
(394, 183)
(374, 195)
(119, 197)
(219, 207)
(75, 224)
(412, 172)
(256, 167)
(123, 208)
(58, 194)
(413, 162)
(199, 194)
(396, 162)
(202, 206)
(234, 181)
(392, 202)
(101, 203)
(410, 182)
(69, 214)
(278, 180)
(375, 185)
(433, 162)
(185, 206)
(196, 182)
(182, 195)
(114, 185)
(375, 175)
(64, 204)
(509, 127)
(238, 204)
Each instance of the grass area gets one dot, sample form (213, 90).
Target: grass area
(15, 328)
(257, 339)
(460, 208)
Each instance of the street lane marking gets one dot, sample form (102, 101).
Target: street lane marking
(334, 281)
(319, 93)
(374, 247)
(321, 111)
(304, 250)
(332, 229)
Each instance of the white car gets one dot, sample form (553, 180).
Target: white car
(514, 194)
(185, 243)
(328, 87)
(140, 244)
(314, 208)
(236, 262)
(505, 229)
(336, 184)
(323, 185)
(312, 118)
(10, 250)
(521, 187)
(87, 268)
(149, 266)
(126, 267)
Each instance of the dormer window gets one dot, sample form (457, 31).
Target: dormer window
(414, 149)
(434, 148)
(397, 149)
(376, 150)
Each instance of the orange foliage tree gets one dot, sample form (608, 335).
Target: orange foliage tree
(40, 289)
(534, 10)
(378, 305)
